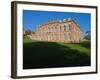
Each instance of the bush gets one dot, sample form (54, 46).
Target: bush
(26, 37)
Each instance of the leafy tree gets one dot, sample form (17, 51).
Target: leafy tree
(28, 32)
(88, 35)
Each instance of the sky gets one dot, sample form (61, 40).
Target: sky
(31, 18)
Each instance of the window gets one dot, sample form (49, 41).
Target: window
(46, 30)
(66, 27)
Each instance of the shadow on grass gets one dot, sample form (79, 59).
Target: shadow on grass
(52, 54)
(86, 44)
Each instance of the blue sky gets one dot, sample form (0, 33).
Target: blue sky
(33, 18)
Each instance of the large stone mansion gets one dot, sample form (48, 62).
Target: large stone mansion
(66, 30)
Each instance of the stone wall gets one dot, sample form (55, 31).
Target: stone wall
(57, 31)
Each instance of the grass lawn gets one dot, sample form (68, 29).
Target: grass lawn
(39, 54)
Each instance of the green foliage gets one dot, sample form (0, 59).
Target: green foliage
(26, 38)
(28, 32)
(88, 35)
(38, 54)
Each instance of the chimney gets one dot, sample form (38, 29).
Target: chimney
(69, 19)
(64, 20)
(60, 20)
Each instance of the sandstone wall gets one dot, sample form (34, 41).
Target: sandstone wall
(67, 31)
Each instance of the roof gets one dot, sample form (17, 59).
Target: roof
(61, 21)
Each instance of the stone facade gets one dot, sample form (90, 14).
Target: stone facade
(59, 31)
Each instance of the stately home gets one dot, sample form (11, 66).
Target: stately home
(66, 30)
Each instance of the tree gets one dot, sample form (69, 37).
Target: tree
(88, 35)
(28, 32)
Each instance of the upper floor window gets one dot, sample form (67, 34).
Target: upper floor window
(46, 30)
(66, 27)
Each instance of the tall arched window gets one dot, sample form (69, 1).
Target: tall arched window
(60, 29)
(55, 29)
(66, 27)
(46, 30)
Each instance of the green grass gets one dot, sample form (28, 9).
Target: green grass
(41, 54)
